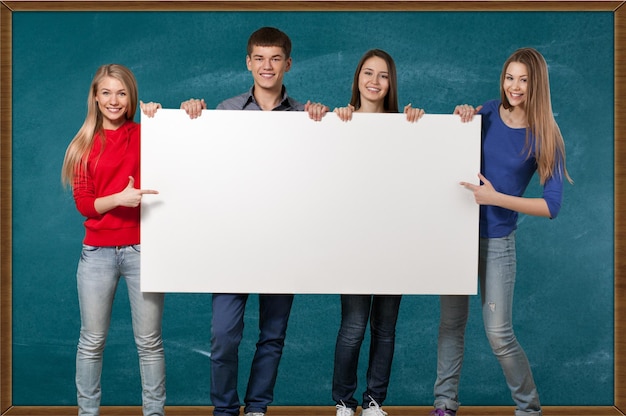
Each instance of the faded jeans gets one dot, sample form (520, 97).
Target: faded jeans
(496, 270)
(99, 272)
(356, 311)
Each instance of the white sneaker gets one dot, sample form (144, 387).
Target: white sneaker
(373, 410)
(343, 410)
(255, 414)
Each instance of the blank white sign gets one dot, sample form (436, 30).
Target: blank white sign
(273, 202)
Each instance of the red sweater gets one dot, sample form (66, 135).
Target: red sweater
(107, 173)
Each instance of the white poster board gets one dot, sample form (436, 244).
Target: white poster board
(273, 202)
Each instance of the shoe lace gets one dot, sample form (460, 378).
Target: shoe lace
(343, 410)
(374, 405)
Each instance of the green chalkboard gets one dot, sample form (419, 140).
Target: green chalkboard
(564, 297)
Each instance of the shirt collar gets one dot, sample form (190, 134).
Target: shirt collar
(284, 103)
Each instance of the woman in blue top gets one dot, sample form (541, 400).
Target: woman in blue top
(519, 137)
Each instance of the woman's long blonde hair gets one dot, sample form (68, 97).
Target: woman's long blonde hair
(77, 152)
(549, 144)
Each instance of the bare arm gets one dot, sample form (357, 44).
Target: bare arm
(485, 194)
(129, 197)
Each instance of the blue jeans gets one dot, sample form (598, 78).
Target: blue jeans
(99, 271)
(356, 310)
(226, 333)
(496, 269)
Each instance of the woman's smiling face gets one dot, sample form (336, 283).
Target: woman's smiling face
(374, 80)
(515, 84)
(112, 99)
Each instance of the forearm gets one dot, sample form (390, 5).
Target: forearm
(529, 206)
(106, 203)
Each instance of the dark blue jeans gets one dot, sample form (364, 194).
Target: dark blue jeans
(226, 333)
(356, 310)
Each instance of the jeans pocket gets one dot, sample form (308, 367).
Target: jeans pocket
(88, 250)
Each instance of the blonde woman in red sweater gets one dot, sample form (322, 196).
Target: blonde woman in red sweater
(102, 167)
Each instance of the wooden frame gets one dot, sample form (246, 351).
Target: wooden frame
(8, 7)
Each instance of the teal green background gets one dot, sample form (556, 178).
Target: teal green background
(564, 294)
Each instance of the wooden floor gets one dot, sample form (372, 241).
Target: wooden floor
(317, 411)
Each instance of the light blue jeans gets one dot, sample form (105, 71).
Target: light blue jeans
(99, 271)
(496, 270)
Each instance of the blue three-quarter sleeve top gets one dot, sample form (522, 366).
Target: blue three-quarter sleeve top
(507, 165)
